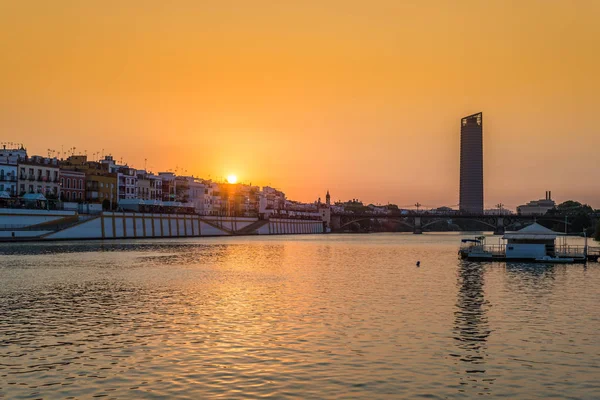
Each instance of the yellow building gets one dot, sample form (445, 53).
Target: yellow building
(101, 186)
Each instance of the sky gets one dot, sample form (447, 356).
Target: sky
(363, 98)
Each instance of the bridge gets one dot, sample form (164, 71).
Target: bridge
(420, 221)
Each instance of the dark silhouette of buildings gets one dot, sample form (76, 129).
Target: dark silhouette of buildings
(471, 163)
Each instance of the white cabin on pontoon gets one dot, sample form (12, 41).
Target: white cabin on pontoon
(531, 242)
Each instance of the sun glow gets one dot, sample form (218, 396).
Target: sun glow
(232, 179)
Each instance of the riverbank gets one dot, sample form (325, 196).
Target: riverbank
(47, 225)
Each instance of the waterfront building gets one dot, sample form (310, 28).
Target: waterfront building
(209, 199)
(127, 182)
(142, 189)
(8, 179)
(149, 186)
(155, 187)
(191, 190)
(12, 156)
(97, 180)
(169, 186)
(275, 198)
(471, 164)
(217, 202)
(537, 207)
(101, 187)
(72, 183)
(236, 199)
(126, 178)
(38, 174)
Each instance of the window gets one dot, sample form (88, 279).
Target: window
(79, 195)
(69, 183)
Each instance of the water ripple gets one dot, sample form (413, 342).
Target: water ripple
(312, 317)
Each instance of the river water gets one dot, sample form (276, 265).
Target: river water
(312, 316)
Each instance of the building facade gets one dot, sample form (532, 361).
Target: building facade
(101, 187)
(471, 164)
(127, 188)
(12, 156)
(39, 175)
(8, 179)
(72, 185)
(169, 187)
(537, 207)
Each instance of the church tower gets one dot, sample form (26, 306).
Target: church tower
(328, 198)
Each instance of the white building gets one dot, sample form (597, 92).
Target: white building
(194, 192)
(149, 186)
(12, 156)
(537, 207)
(39, 175)
(275, 198)
(8, 179)
(9, 158)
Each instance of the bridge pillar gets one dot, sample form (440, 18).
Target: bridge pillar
(499, 230)
(417, 230)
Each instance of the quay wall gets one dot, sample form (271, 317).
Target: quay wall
(114, 225)
(20, 218)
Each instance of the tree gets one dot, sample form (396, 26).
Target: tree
(597, 234)
(580, 216)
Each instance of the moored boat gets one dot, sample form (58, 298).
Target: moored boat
(533, 243)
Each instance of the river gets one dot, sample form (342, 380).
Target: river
(308, 316)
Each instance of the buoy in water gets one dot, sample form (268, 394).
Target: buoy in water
(418, 263)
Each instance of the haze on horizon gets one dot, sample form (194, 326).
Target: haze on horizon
(362, 99)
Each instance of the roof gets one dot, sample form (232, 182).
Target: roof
(33, 196)
(534, 231)
(123, 202)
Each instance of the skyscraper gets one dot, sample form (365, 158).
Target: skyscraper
(471, 163)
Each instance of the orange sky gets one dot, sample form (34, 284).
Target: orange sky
(361, 97)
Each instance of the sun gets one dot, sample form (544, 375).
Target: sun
(232, 179)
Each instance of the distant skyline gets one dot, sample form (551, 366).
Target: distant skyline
(363, 99)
